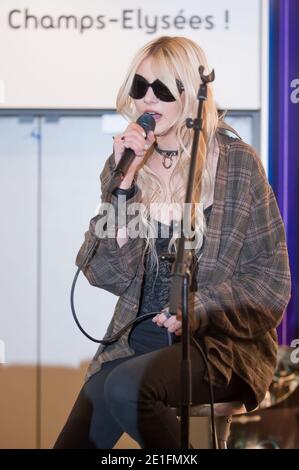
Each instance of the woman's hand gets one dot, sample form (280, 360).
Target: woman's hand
(171, 322)
(174, 323)
(134, 138)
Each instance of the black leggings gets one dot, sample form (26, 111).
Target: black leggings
(132, 395)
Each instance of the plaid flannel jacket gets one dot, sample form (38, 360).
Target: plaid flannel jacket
(243, 276)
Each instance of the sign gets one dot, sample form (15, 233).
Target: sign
(70, 54)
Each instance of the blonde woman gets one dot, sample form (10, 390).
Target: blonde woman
(240, 283)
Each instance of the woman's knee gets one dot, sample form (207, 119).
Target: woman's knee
(121, 386)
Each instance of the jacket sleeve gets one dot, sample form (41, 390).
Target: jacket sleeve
(253, 300)
(111, 267)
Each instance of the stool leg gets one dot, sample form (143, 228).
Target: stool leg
(223, 430)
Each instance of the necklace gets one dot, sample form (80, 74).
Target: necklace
(167, 156)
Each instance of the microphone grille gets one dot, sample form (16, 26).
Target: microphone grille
(147, 122)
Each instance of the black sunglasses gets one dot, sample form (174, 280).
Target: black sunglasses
(140, 86)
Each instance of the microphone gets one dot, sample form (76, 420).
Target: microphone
(148, 123)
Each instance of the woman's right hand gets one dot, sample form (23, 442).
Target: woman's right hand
(134, 137)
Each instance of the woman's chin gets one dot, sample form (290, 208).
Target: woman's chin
(161, 130)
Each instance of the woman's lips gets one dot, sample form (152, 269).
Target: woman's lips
(157, 116)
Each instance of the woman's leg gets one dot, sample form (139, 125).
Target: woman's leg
(139, 391)
(90, 424)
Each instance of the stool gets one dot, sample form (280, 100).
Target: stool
(223, 416)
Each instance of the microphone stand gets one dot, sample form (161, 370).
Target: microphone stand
(180, 282)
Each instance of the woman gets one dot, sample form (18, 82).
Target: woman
(241, 280)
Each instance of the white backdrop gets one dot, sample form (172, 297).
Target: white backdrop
(50, 61)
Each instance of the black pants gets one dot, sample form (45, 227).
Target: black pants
(132, 395)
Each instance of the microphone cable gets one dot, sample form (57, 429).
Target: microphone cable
(211, 392)
(116, 336)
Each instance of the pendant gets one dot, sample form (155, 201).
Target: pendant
(169, 164)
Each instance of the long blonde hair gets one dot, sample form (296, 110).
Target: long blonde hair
(174, 58)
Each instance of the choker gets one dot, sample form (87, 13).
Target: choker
(168, 155)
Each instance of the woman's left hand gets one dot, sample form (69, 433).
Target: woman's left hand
(174, 322)
(171, 322)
